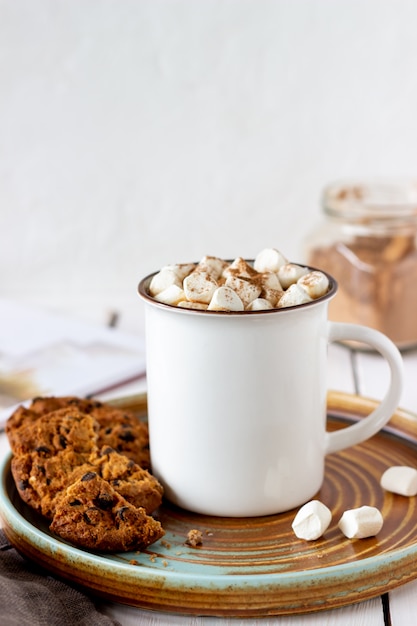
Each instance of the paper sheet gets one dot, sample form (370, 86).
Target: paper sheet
(42, 353)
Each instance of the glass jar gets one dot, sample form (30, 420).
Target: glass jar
(368, 242)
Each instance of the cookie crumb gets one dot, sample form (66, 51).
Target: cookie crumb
(133, 562)
(194, 538)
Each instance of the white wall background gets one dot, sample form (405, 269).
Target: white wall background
(135, 133)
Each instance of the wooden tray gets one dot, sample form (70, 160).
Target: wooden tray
(252, 566)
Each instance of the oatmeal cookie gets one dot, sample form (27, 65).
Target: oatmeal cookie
(42, 475)
(130, 480)
(47, 404)
(117, 428)
(91, 514)
(125, 433)
(56, 431)
(23, 416)
(20, 419)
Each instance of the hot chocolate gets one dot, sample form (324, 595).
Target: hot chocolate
(213, 284)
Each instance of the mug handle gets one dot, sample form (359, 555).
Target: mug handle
(365, 428)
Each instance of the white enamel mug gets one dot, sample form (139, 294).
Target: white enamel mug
(237, 403)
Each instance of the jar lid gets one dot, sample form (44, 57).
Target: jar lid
(369, 201)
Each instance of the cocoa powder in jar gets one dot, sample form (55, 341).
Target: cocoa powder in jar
(376, 271)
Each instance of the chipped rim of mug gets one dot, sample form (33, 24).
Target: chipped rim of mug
(143, 292)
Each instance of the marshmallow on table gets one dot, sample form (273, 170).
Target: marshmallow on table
(400, 479)
(225, 299)
(312, 520)
(365, 521)
(269, 260)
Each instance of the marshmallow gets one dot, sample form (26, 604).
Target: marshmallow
(271, 287)
(312, 520)
(289, 273)
(273, 282)
(294, 295)
(259, 304)
(400, 479)
(166, 277)
(246, 290)
(182, 269)
(365, 521)
(225, 299)
(314, 283)
(239, 267)
(185, 304)
(269, 260)
(171, 295)
(272, 295)
(270, 280)
(199, 287)
(213, 266)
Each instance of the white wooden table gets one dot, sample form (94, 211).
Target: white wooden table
(352, 372)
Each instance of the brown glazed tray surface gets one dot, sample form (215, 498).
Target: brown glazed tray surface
(253, 566)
